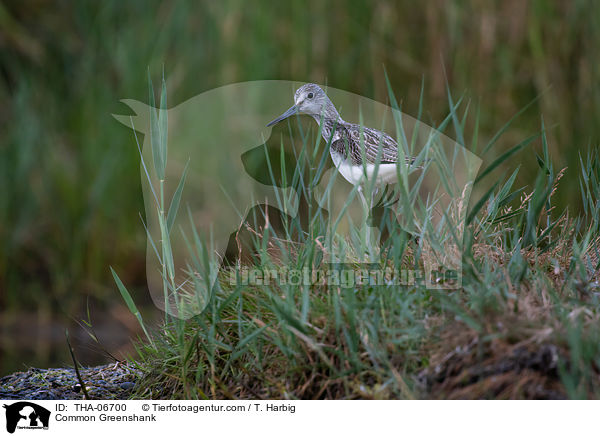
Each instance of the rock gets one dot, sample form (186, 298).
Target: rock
(127, 386)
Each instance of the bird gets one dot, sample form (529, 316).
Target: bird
(356, 159)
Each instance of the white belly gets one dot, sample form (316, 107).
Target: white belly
(386, 173)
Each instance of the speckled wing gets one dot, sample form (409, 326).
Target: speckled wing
(374, 140)
(376, 144)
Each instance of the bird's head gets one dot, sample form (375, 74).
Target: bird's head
(309, 99)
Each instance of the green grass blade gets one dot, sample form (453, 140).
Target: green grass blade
(504, 156)
(130, 303)
(159, 165)
(480, 204)
(506, 126)
(163, 122)
(174, 207)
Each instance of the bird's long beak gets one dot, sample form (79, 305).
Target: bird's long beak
(288, 113)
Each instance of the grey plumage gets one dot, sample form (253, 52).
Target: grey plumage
(378, 146)
(350, 143)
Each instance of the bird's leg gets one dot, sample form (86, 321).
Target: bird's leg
(365, 218)
(373, 195)
(362, 197)
(373, 223)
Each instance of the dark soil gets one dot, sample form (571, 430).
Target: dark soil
(105, 382)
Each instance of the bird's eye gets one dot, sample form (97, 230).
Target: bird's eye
(310, 95)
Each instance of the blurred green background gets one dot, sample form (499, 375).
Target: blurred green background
(69, 175)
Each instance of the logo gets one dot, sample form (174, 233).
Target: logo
(26, 415)
(229, 185)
